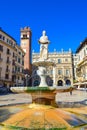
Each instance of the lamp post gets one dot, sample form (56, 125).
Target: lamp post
(27, 78)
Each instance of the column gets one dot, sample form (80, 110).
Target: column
(54, 76)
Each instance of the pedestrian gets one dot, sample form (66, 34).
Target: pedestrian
(71, 91)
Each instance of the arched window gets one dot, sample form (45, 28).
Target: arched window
(60, 83)
(36, 82)
(68, 82)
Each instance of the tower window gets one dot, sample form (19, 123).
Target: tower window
(24, 36)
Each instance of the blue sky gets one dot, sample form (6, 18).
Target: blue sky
(65, 21)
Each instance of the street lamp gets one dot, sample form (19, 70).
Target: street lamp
(27, 78)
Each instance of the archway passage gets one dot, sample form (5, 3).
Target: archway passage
(43, 100)
(60, 83)
(36, 82)
(68, 82)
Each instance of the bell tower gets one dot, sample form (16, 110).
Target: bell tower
(26, 46)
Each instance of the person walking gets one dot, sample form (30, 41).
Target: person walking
(70, 91)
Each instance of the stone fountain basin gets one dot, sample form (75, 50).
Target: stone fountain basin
(41, 95)
(38, 89)
(31, 89)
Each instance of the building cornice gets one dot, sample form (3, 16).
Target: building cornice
(7, 34)
(8, 45)
(81, 45)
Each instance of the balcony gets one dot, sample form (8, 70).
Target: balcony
(1, 59)
(7, 70)
(8, 53)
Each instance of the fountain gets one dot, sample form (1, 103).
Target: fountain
(43, 94)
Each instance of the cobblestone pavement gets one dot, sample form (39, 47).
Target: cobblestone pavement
(75, 97)
(12, 99)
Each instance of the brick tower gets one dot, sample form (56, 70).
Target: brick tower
(26, 46)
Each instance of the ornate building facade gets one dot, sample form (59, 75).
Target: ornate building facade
(81, 66)
(60, 74)
(11, 61)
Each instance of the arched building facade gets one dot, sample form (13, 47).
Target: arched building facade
(62, 73)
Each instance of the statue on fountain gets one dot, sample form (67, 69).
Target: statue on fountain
(44, 46)
(43, 61)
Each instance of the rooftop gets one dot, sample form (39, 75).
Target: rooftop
(81, 45)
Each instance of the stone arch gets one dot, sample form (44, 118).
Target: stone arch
(68, 82)
(36, 80)
(60, 83)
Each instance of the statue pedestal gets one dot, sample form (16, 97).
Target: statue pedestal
(46, 98)
(42, 73)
